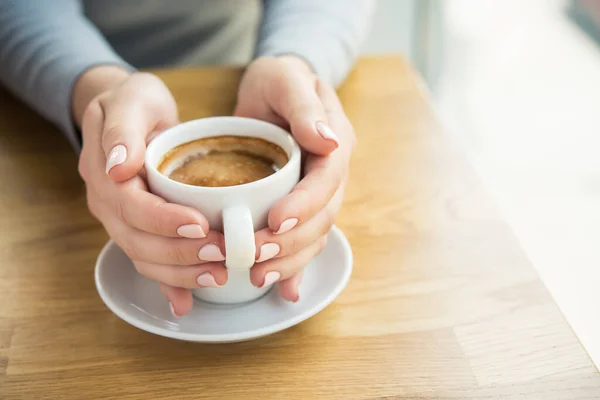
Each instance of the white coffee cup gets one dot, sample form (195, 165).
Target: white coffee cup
(237, 211)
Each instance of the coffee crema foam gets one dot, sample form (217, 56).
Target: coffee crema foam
(222, 161)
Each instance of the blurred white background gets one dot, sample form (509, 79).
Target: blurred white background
(517, 83)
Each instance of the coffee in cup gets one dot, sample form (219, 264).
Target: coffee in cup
(223, 161)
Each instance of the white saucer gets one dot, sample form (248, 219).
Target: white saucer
(139, 302)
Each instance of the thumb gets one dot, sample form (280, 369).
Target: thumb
(129, 123)
(295, 98)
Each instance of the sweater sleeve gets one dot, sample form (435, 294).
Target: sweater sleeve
(325, 33)
(44, 47)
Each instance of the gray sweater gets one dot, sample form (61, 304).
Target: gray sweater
(46, 44)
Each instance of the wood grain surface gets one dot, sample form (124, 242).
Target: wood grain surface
(443, 303)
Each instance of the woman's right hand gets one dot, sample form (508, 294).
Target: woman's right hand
(168, 243)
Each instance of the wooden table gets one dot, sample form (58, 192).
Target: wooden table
(443, 304)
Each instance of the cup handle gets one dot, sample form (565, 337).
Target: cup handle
(239, 237)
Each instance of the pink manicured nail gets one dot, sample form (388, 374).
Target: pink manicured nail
(327, 133)
(268, 251)
(211, 252)
(117, 156)
(271, 277)
(287, 225)
(207, 280)
(173, 310)
(191, 231)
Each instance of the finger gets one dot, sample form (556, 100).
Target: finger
(288, 289)
(328, 95)
(323, 178)
(143, 246)
(91, 133)
(147, 212)
(279, 269)
(270, 245)
(337, 117)
(180, 300)
(189, 277)
(142, 106)
(294, 97)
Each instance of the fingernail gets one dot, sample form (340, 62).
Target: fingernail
(117, 156)
(191, 231)
(211, 252)
(287, 225)
(327, 133)
(207, 280)
(271, 278)
(268, 251)
(173, 310)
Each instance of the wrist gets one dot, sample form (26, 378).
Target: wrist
(93, 82)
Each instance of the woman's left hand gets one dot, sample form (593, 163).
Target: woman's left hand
(284, 91)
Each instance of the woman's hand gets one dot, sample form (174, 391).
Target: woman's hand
(284, 91)
(168, 243)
